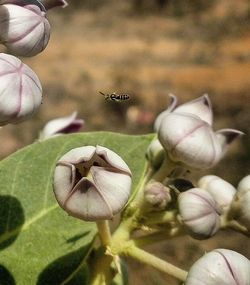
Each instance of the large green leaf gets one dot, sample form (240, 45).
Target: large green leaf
(39, 243)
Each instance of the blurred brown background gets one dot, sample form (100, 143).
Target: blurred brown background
(148, 48)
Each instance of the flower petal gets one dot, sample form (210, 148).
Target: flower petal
(115, 187)
(112, 159)
(158, 120)
(200, 107)
(62, 125)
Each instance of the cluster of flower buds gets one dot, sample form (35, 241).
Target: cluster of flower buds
(25, 31)
(186, 133)
(92, 183)
(220, 267)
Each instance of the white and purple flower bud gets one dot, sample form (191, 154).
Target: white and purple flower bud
(222, 191)
(220, 267)
(92, 183)
(155, 154)
(64, 125)
(25, 30)
(241, 203)
(20, 89)
(186, 134)
(157, 195)
(199, 213)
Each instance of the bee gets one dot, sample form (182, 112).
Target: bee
(115, 97)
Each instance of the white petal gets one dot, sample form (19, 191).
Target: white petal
(115, 187)
(222, 191)
(189, 139)
(158, 120)
(200, 107)
(227, 136)
(56, 126)
(79, 154)
(244, 185)
(113, 159)
(199, 212)
(220, 267)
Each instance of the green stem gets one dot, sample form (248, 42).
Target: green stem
(165, 170)
(158, 236)
(236, 226)
(104, 232)
(161, 218)
(155, 262)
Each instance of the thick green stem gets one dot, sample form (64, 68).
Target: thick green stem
(104, 232)
(155, 262)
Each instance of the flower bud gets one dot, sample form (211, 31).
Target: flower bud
(241, 203)
(64, 125)
(199, 213)
(220, 267)
(190, 140)
(25, 30)
(20, 89)
(222, 191)
(92, 183)
(155, 154)
(200, 107)
(157, 194)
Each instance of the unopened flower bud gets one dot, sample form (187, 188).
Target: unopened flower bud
(220, 267)
(186, 133)
(155, 154)
(64, 125)
(157, 194)
(20, 89)
(25, 30)
(92, 183)
(241, 203)
(190, 140)
(222, 191)
(199, 213)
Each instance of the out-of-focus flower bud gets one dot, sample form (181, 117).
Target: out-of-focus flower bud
(157, 195)
(25, 30)
(49, 4)
(199, 212)
(92, 183)
(155, 154)
(20, 89)
(220, 267)
(222, 191)
(188, 137)
(241, 203)
(64, 125)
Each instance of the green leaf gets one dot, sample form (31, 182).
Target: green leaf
(39, 243)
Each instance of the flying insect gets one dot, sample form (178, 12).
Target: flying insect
(115, 97)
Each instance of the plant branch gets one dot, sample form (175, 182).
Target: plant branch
(104, 232)
(156, 262)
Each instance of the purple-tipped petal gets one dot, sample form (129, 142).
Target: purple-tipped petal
(172, 105)
(49, 4)
(226, 137)
(200, 107)
(64, 125)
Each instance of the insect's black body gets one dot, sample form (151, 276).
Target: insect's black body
(116, 97)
